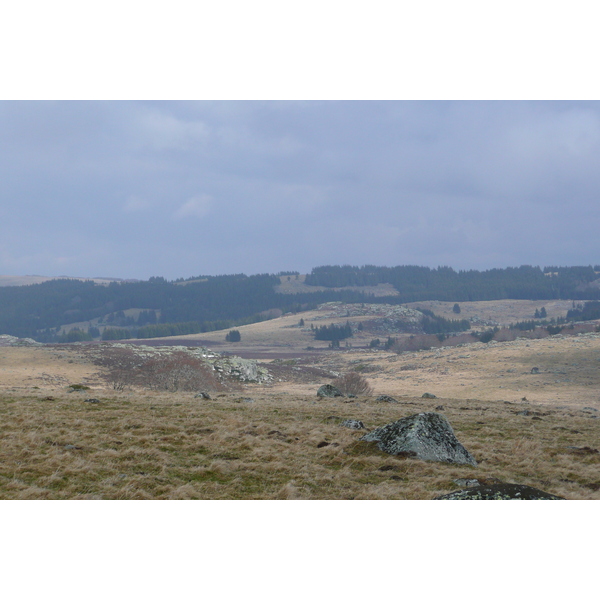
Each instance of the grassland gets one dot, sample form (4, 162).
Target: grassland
(528, 410)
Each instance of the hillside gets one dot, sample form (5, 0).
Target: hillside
(69, 310)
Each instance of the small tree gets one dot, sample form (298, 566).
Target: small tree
(543, 313)
(456, 309)
(233, 336)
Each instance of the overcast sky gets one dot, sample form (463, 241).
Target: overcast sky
(135, 189)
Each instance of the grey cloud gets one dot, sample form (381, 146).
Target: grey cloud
(134, 189)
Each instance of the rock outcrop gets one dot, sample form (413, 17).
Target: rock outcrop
(427, 436)
(500, 491)
(328, 391)
(353, 424)
(386, 398)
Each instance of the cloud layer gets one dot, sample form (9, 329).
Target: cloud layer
(135, 189)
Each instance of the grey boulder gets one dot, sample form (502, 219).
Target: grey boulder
(427, 436)
(328, 391)
(500, 491)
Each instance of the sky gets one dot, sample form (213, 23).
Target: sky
(134, 189)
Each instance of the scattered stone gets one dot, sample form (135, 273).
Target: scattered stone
(385, 398)
(72, 447)
(429, 396)
(92, 400)
(322, 444)
(249, 400)
(204, 395)
(428, 435)
(440, 407)
(48, 399)
(353, 424)
(500, 491)
(589, 409)
(329, 391)
(466, 483)
(535, 370)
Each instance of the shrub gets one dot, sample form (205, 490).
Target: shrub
(175, 372)
(353, 383)
(233, 336)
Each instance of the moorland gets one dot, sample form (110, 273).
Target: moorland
(181, 417)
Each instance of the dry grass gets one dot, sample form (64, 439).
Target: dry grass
(165, 446)
(142, 444)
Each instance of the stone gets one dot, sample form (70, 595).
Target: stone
(535, 370)
(429, 396)
(353, 424)
(204, 395)
(384, 398)
(329, 391)
(428, 435)
(92, 400)
(500, 491)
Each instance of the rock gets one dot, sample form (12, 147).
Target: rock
(384, 398)
(242, 369)
(440, 407)
(468, 483)
(329, 391)
(92, 400)
(535, 370)
(204, 395)
(428, 435)
(500, 491)
(353, 424)
(428, 395)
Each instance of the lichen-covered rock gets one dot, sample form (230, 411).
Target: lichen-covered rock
(328, 391)
(500, 491)
(385, 398)
(429, 396)
(353, 424)
(242, 369)
(428, 435)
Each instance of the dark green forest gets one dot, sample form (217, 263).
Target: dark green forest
(444, 283)
(208, 303)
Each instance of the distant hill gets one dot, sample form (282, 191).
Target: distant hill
(13, 280)
(116, 309)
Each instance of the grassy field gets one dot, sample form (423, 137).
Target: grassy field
(279, 441)
(142, 445)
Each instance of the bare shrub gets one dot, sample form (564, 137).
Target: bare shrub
(416, 342)
(506, 335)
(463, 338)
(179, 372)
(174, 372)
(353, 383)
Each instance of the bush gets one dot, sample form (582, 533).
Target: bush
(233, 336)
(353, 383)
(176, 372)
